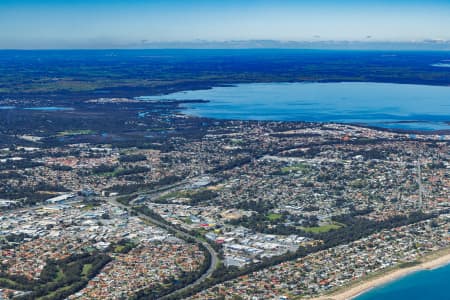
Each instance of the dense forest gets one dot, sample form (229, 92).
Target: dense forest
(49, 75)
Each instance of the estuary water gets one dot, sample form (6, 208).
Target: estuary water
(39, 108)
(386, 105)
(429, 284)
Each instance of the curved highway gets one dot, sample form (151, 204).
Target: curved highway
(213, 254)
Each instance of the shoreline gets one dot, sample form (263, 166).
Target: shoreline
(429, 262)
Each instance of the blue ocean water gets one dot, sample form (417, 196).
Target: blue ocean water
(423, 285)
(403, 106)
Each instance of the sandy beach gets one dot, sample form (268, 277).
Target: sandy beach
(429, 262)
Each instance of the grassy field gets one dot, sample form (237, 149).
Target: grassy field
(273, 217)
(76, 132)
(323, 228)
(124, 248)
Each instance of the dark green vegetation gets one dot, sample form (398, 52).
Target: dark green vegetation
(132, 158)
(267, 222)
(59, 279)
(73, 75)
(107, 170)
(123, 246)
(117, 124)
(11, 240)
(409, 264)
(196, 197)
(30, 195)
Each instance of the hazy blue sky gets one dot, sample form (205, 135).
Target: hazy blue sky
(130, 23)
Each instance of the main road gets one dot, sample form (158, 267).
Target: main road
(213, 254)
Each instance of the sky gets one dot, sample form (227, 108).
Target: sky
(50, 24)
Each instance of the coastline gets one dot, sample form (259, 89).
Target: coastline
(429, 262)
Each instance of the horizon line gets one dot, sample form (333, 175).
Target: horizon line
(367, 45)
